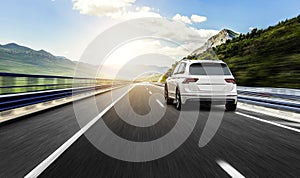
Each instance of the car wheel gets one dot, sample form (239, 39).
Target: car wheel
(230, 106)
(178, 100)
(206, 106)
(169, 101)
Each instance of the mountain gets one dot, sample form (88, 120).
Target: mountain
(15, 49)
(216, 40)
(206, 50)
(20, 59)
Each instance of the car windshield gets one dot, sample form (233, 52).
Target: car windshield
(209, 69)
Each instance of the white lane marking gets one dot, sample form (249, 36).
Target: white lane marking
(160, 103)
(285, 115)
(229, 169)
(292, 124)
(50, 159)
(269, 122)
(150, 92)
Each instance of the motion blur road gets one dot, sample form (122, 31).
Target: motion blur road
(250, 147)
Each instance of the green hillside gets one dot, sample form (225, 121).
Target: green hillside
(19, 59)
(261, 58)
(269, 58)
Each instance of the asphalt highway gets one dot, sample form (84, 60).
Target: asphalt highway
(241, 146)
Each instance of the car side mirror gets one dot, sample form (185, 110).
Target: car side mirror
(169, 74)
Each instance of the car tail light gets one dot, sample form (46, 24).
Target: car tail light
(230, 81)
(189, 80)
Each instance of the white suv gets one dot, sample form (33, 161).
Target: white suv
(204, 81)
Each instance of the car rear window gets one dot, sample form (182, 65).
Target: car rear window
(209, 69)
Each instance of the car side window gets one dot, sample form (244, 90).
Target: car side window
(181, 68)
(176, 69)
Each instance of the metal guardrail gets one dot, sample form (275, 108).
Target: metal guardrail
(11, 83)
(283, 93)
(42, 88)
(277, 98)
(8, 102)
(21, 90)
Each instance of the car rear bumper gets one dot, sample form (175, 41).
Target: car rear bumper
(214, 100)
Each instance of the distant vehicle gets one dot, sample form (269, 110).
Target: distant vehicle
(205, 81)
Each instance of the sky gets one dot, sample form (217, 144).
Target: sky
(66, 27)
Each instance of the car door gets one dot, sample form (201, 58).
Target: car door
(171, 81)
(178, 72)
(180, 75)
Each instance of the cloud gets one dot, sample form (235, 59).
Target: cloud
(205, 33)
(125, 10)
(251, 28)
(194, 19)
(142, 47)
(140, 12)
(169, 38)
(181, 32)
(116, 9)
(198, 19)
(183, 19)
(178, 29)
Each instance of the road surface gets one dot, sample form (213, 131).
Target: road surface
(243, 145)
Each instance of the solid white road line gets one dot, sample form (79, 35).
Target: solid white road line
(229, 169)
(50, 159)
(285, 115)
(292, 124)
(269, 122)
(160, 103)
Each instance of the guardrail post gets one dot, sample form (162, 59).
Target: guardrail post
(8, 81)
(21, 81)
(60, 83)
(34, 82)
(1, 84)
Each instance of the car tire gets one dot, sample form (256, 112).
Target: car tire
(169, 101)
(205, 106)
(178, 100)
(230, 106)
